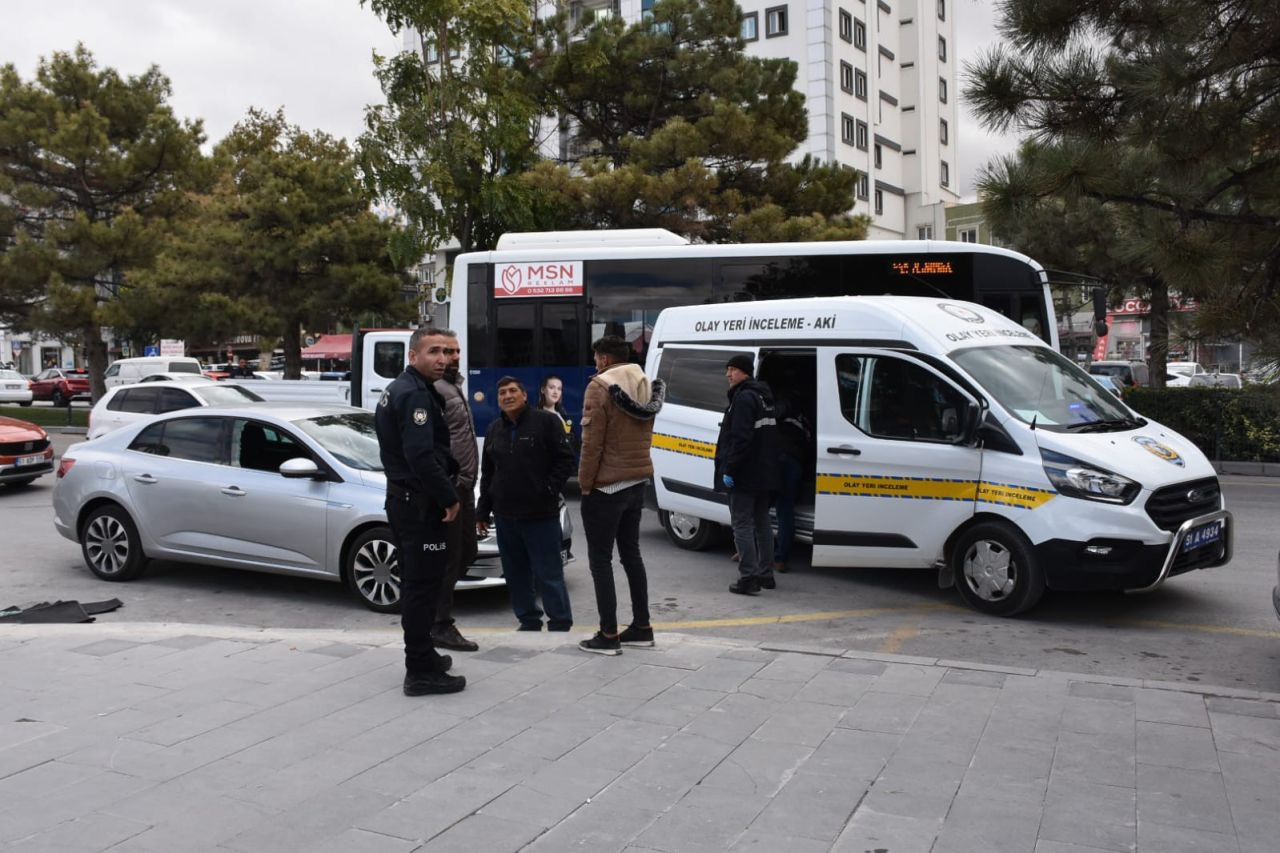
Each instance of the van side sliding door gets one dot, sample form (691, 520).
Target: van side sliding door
(892, 482)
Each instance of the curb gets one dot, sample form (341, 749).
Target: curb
(391, 638)
(66, 430)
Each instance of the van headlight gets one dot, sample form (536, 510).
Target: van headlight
(1078, 479)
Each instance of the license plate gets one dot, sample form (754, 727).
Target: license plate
(13, 387)
(29, 460)
(1198, 537)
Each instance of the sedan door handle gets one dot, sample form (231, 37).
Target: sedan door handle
(847, 451)
(233, 491)
(146, 479)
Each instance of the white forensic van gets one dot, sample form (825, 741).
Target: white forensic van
(947, 436)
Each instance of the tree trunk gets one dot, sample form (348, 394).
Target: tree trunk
(95, 353)
(291, 343)
(1158, 352)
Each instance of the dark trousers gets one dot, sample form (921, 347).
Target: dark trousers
(752, 532)
(530, 552)
(792, 472)
(461, 538)
(421, 552)
(606, 519)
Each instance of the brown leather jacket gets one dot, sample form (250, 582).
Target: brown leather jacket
(617, 426)
(462, 431)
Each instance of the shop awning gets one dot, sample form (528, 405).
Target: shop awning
(329, 346)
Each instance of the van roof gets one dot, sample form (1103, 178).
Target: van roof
(930, 324)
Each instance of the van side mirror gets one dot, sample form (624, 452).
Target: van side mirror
(300, 468)
(969, 424)
(1100, 311)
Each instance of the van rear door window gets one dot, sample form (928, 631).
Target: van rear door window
(695, 377)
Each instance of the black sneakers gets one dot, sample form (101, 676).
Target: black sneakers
(633, 636)
(601, 645)
(768, 583)
(423, 684)
(745, 586)
(450, 638)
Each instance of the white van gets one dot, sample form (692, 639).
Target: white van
(128, 371)
(947, 436)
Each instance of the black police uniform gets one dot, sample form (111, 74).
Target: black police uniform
(413, 440)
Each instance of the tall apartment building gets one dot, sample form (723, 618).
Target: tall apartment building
(879, 79)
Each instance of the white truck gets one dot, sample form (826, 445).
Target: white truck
(377, 357)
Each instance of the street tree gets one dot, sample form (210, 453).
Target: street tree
(1161, 117)
(667, 122)
(457, 130)
(92, 165)
(285, 239)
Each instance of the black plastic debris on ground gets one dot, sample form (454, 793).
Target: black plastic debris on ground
(57, 611)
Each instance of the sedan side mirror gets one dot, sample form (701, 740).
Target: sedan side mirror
(300, 468)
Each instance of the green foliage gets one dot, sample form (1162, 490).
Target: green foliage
(1158, 119)
(1230, 424)
(284, 239)
(91, 167)
(674, 126)
(47, 417)
(448, 147)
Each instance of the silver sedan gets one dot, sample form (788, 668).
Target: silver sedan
(285, 489)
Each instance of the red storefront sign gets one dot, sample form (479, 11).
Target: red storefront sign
(537, 278)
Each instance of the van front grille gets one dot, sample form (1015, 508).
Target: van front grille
(1171, 506)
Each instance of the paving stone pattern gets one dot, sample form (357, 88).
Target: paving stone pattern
(251, 743)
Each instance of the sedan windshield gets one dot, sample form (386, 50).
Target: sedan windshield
(224, 395)
(1038, 386)
(349, 437)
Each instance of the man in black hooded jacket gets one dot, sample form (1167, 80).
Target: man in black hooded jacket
(747, 460)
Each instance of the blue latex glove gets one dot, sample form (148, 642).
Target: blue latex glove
(727, 480)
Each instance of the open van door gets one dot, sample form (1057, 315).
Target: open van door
(896, 469)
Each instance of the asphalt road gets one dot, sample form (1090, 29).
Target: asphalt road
(1216, 627)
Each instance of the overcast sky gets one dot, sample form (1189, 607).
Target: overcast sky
(311, 57)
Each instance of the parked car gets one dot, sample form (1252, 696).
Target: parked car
(14, 388)
(61, 385)
(128, 404)
(128, 371)
(295, 490)
(25, 452)
(1130, 374)
(1215, 380)
(1178, 373)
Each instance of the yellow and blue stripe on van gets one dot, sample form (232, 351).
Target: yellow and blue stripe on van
(684, 446)
(933, 489)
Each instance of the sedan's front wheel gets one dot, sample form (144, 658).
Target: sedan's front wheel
(373, 570)
(110, 544)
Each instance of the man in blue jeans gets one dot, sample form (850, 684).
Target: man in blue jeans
(526, 462)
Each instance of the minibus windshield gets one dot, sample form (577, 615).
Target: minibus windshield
(1038, 386)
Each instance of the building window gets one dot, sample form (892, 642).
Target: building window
(946, 174)
(968, 235)
(775, 22)
(751, 26)
(924, 232)
(846, 26)
(846, 76)
(942, 49)
(943, 136)
(431, 51)
(860, 137)
(942, 89)
(859, 34)
(879, 156)
(879, 202)
(861, 186)
(846, 128)
(942, 10)
(860, 84)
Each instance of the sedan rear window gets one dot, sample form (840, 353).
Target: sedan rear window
(225, 395)
(183, 367)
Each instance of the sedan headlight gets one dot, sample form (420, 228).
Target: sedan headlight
(1078, 479)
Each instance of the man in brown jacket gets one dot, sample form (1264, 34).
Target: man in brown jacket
(617, 430)
(461, 532)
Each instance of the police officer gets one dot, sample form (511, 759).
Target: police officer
(413, 439)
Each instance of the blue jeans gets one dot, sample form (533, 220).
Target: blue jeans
(792, 472)
(530, 552)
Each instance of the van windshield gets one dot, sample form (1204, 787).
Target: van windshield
(1037, 385)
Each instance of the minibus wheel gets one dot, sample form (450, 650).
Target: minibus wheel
(996, 569)
(687, 531)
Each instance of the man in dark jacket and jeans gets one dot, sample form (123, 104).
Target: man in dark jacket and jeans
(747, 468)
(526, 462)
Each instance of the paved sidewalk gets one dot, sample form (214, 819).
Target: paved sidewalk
(185, 738)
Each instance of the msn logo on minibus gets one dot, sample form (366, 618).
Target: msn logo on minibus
(537, 278)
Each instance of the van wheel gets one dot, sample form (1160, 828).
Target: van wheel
(688, 532)
(110, 544)
(373, 570)
(996, 570)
